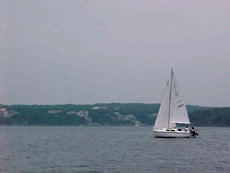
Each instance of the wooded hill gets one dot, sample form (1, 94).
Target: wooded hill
(104, 114)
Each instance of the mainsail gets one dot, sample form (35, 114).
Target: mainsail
(179, 112)
(172, 109)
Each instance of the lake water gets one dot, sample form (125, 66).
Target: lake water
(111, 149)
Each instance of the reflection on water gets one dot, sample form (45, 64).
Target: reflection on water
(111, 149)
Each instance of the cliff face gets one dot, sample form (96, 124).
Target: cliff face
(104, 114)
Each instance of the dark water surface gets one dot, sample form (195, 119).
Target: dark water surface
(111, 149)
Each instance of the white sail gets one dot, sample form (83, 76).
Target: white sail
(172, 109)
(162, 116)
(178, 108)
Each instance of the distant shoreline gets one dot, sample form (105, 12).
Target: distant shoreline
(101, 115)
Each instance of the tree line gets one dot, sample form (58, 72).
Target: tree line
(104, 114)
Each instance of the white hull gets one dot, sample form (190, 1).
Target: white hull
(171, 134)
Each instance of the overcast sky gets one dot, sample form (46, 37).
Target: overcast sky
(91, 51)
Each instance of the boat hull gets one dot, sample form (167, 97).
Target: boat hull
(171, 134)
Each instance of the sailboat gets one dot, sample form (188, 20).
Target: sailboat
(172, 120)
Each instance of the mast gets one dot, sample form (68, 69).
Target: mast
(170, 96)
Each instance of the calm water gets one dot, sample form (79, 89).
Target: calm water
(110, 149)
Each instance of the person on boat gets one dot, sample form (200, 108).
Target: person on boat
(196, 132)
(193, 132)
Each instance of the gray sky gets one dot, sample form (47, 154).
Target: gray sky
(90, 51)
